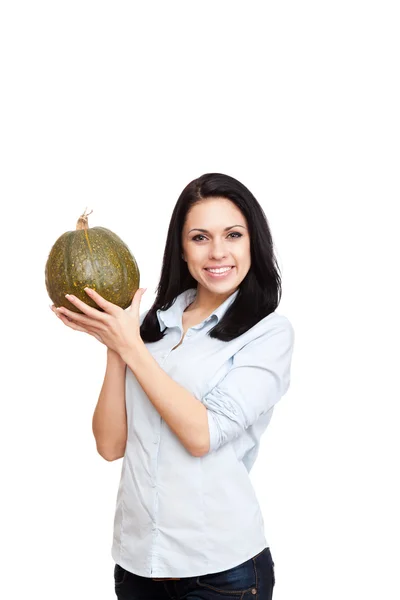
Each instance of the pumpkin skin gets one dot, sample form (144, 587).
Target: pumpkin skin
(93, 257)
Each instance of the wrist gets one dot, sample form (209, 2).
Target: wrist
(113, 355)
(129, 354)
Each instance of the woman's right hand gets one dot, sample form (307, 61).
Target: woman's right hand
(73, 325)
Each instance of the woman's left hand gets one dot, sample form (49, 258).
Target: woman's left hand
(118, 328)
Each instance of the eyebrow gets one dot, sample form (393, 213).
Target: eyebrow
(226, 228)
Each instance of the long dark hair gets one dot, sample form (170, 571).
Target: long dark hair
(259, 292)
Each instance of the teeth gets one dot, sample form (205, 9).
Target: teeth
(219, 270)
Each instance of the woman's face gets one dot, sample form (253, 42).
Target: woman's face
(215, 247)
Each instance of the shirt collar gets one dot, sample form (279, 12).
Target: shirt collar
(172, 316)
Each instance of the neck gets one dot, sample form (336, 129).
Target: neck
(210, 304)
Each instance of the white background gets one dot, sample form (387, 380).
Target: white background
(117, 106)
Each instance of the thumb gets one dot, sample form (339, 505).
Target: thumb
(138, 294)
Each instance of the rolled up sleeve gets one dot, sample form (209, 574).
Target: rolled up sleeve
(258, 378)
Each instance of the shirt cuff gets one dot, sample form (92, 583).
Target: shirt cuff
(214, 432)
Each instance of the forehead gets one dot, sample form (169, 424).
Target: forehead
(214, 212)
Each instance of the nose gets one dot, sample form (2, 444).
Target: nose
(218, 251)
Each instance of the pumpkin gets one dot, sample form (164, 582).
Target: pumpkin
(93, 257)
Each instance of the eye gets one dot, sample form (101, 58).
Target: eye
(195, 238)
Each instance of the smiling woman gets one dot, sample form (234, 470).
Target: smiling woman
(216, 360)
(190, 387)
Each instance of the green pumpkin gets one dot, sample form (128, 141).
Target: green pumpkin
(91, 257)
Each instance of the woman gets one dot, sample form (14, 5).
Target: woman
(189, 389)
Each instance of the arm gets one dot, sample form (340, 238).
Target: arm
(109, 423)
(258, 378)
(185, 415)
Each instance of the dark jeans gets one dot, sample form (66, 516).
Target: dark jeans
(254, 579)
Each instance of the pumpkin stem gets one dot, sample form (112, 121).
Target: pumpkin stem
(82, 222)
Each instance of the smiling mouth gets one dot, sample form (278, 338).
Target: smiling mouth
(221, 274)
(225, 267)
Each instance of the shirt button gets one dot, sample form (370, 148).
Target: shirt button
(156, 441)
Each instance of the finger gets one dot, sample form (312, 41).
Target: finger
(71, 324)
(137, 296)
(81, 320)
(108, 307)
(87, 310)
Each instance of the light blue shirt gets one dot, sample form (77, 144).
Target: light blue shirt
(178, 515)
